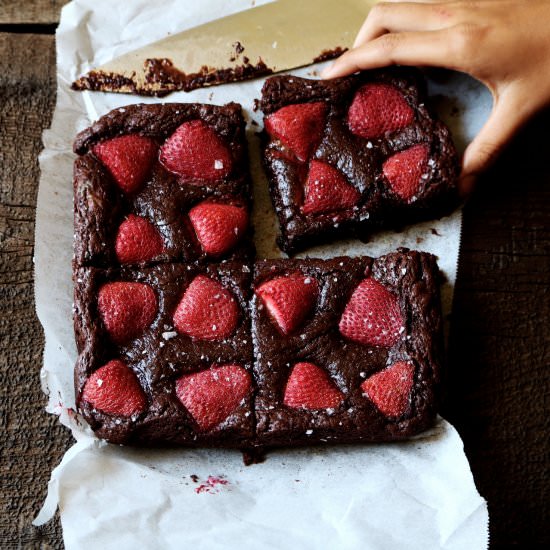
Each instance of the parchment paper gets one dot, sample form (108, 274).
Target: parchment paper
(417, 494)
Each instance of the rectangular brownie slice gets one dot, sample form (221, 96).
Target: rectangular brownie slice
(348, 156)
(157, 183)
(347, 349)
(165, 354)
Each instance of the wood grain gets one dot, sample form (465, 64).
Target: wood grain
(33, 441)
(498, 389)
(30, 11)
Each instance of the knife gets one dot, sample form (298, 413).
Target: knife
(263, 40)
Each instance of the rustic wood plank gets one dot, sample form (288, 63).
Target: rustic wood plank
(30, 11)
(33, 441)
(498, 388)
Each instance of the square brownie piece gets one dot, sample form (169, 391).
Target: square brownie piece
(165, 354)
(348, 156)
(347, 349)
(157, 183)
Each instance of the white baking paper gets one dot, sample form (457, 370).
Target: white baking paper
(417, 494)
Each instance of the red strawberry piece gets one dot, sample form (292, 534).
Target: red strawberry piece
(196, 153)
(127, 309)
(390, 389)
(372, 315)
(298, 127)
(212, 395)
(309, 387)
(405, 169)
(327, 190)
(114, 389)
(378, 109)
(128, 158)
(218, 226)
(137, 240)
(207, 310)
(289, 299)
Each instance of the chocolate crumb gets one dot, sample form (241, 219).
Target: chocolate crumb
(325, 55)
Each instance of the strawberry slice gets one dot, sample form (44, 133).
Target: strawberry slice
(137, 240)
(372, 316)
(207, 310)
(298, 127)
(127, 309)
(405, 169)
(327, 190)
(309, 387)
(114, 389)
(289, 300)
(213, 394)
(390, 389)
(196, 153)
(218, 227)
(378, 109)
(128, 158)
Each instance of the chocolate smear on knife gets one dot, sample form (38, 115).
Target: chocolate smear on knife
(161, 77)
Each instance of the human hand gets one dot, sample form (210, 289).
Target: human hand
(503, 43)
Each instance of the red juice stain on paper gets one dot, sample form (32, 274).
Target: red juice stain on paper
(211, 485)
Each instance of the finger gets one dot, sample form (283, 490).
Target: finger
(430, 48)
(404, 16)
(505, 120)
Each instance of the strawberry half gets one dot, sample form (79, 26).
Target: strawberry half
(127, 309)
(207, 310)
(218, 227)
(212, 395)
(128, 158)
(298, 127)
(309, 387)
(405, 169)
(372, 315)
(289, 299)
(390, 389)
(114, 389)
(378, 109)
(327, 190)
(196, 153)
(137, 240)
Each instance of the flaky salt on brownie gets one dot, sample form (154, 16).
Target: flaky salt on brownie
(165, 354)
(347, 349)
(157, 183)
(340, 350)
(351, 155)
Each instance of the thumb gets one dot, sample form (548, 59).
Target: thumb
(504, 121)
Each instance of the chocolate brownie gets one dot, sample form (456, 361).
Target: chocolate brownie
(160, 323)
(182, 339)
(157, 183)
(357, 359)
(352, 155)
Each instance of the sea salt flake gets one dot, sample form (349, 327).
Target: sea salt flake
(218, 164)
(169, 334)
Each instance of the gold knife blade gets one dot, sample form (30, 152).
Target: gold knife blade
(263, 40)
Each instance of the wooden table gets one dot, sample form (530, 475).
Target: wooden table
(497, 394)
